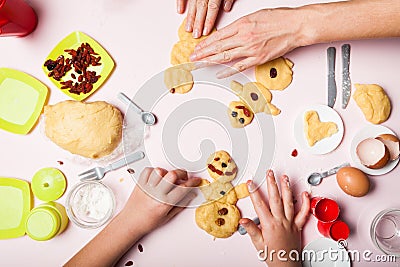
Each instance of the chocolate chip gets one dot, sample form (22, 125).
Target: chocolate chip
(129, 263)
(241, 120)
(140, 248)
(224, 165)
(131, 171)
(172, 91)
(234, 114)
(219, 221)
(223, 211)
(273, 73)
(222, 192)
(254, 96)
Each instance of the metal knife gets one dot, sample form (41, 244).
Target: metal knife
(346, 82)
(331, 76)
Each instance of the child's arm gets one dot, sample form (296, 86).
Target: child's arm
(280, 227)
(141, 215)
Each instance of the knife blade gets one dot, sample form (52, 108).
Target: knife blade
(331, 52)
(346, 82)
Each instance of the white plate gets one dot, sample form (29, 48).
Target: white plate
(320, 248)
(326, 145)
(367, 132)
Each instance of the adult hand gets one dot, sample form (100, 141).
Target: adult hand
(254, 39)
(159, 196)
(280, 227)
(201, 14)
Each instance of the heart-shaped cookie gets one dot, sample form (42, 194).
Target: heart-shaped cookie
(315, 130)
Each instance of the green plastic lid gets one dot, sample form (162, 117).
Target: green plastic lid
(48, 184)
(43, 223)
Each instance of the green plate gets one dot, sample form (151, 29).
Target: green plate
(21, 100)
(73, 41)
(15, 205)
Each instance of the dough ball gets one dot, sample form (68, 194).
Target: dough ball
(92, 130)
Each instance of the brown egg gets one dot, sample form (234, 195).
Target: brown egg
(353, 181)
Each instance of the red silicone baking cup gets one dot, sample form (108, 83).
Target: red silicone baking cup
(324, 209)
(337, 230)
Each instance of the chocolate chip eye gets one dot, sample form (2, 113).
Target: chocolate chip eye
(222, 192)
(241, 120)
(219, 221)
(224, 165)
(254, 96)
(216, 159)
(223, 211)
(273, 73)
(234, 114)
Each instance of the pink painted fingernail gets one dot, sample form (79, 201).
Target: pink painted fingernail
(227, 5)
(188, 27)
(270, 173)
(205, 31)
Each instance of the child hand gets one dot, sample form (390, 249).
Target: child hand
(280, 228)
(158, 196)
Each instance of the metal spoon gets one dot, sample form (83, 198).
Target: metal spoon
(147, 117)
(316, 177)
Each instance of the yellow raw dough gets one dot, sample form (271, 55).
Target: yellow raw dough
(223, 162)
(284, 73)
(178, 80)
(256, 96)
(373, 102)
(237, 116)
(315, 130)
(92, 130)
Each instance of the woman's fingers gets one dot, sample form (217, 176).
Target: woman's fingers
(171, 179)
(260, 207)
(212, 13)
(191, 15)
(274, 198)
(155, 177)
(287, 198)
(180, 6)
(201, 12)
(302, 216)
(254, 232)
(237, 67)
(228, 5)
(219, 35)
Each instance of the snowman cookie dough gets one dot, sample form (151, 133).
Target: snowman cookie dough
(257, 96)
(276, 74)
(219, 215)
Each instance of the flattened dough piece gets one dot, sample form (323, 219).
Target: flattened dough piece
(92, 130)
(315, 130)
(276, 74)
(373, 102)
(181, 52)
(218, 219)
(178, 80)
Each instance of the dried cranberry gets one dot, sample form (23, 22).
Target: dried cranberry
(213, 169)
(294, 153)
(140, 248)
(273, 73)
(217, 159)
(219, 221)
(129, 263)
(131, 171)
(223, 211)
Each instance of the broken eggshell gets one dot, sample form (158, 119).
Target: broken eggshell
(373, 153)
(392, 143)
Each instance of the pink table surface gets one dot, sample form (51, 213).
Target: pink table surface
(139, 36)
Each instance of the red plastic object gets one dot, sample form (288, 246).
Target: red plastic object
(324, 209)
(336, 230)
(17, 18)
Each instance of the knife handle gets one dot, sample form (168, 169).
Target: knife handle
(346, 57)
(331, 60)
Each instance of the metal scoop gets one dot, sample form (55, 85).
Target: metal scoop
(316, 177)
(147, 117)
